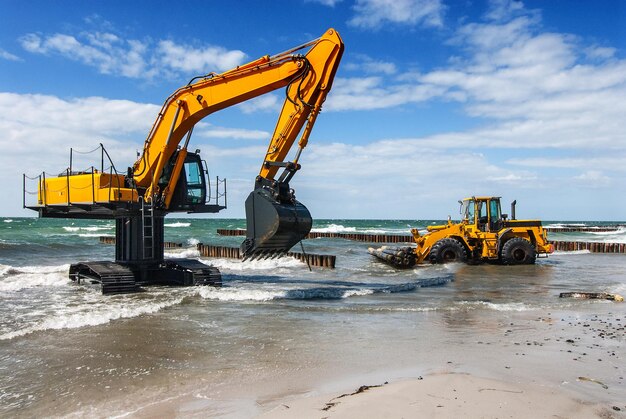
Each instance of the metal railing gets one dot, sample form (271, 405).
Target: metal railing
(42, 190)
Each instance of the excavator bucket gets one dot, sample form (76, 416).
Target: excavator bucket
(273, 225)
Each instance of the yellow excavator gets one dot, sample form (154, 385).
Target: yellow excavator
(483, 235)
(167, 177)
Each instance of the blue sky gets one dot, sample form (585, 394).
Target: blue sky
(434, 100)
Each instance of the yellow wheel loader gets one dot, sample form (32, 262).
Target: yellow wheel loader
(483, 235)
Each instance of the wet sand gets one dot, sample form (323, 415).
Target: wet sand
(570, 365)
(564, 365)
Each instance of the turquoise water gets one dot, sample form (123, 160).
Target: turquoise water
(272, 318)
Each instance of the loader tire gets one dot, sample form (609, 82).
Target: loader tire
(448, 251)
(518, 251)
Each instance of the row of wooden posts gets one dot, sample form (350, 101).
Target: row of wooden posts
(593, 247)
(324, 261)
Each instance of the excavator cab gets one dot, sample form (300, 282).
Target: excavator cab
(275, 220)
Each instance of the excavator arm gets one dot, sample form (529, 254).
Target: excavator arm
(308, 78)
(275, 219)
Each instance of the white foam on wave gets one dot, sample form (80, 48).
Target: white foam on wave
(618, 236)
(191, 253)
(8, 220)
(565, 225)
(571, 253)
(495, 306)
(72, 229)
(193, 241)
(16, 279)
(4, 269)
(99, 310)
(264, 295)
(235, 265)
(238, 294)
(338, 228)
(334, 228)
(178, 224)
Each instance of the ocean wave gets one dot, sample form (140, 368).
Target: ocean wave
(178, 224)
(236, 265)
(334, 228)
(19, 278)
(8, 220)
(314, 293)
(72, 229)
(565, 225)
(494, 306)
(570, 253)
(191, 253)
(101, 311)
(338, 228)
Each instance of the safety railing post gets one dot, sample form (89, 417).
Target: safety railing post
(93, 186)
(217, 190)
(68, 184)
(45, 198)
(110, 183)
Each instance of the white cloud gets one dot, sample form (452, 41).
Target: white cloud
(503, 9)
(612, 161)
(593, 179)
(187, 59)
(270, 102)
(232, 133)
(372, 14)
(329, 3)
(132, 58)
(369, 65)
(5, 55)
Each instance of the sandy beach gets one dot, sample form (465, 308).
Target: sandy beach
(561, 365)
(551, 376)
(444, 396)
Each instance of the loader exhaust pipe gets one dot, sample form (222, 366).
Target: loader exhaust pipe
(513, 209)
(275, 221)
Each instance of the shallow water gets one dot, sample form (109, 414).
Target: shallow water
(274, 327)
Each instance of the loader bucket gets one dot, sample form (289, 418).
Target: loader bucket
(273, 226)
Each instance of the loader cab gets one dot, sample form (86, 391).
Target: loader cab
(483, 212)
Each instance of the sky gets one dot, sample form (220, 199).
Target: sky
(434, 100)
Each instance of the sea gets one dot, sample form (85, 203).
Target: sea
(274, 327)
